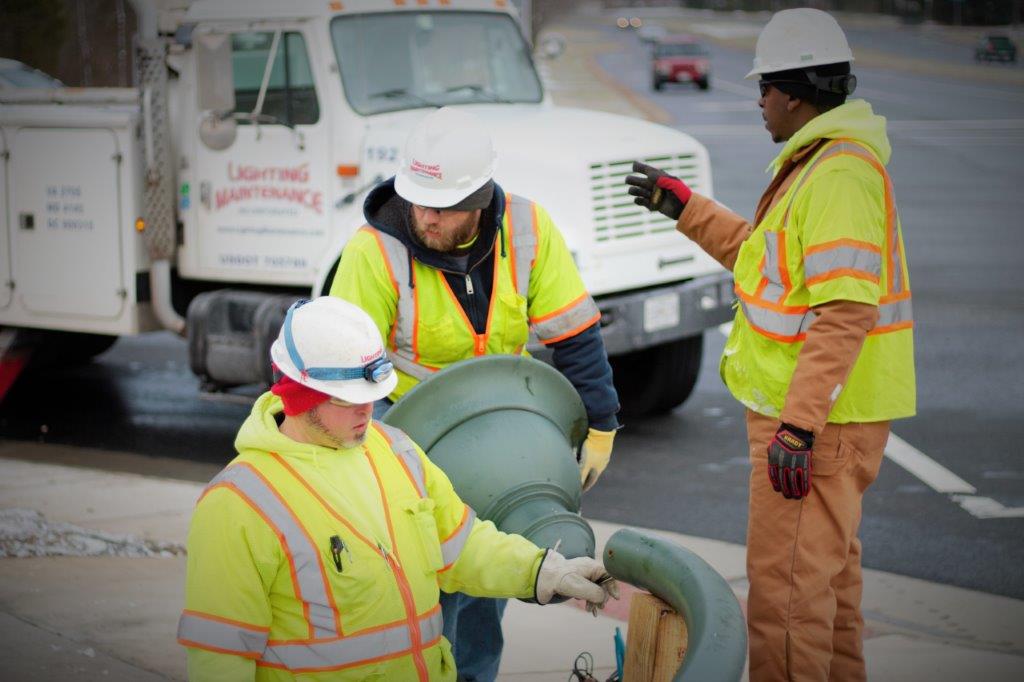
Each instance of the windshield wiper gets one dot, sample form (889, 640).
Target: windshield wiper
(395, 93)
(479, 89)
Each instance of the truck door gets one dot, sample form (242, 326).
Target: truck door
(65, 222)
(258, 205)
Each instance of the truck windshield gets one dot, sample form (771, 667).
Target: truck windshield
(405, 60)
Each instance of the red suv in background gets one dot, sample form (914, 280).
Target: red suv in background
(680, 59)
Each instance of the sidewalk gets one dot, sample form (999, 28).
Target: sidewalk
(114, 617)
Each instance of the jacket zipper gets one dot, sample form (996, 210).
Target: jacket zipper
(415, 635)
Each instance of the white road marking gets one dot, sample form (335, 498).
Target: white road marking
(923, 467)
(942, 480)
(987, 508)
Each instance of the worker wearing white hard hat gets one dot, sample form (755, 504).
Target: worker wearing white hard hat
(450, 267)
(821, 351)
(322, 546)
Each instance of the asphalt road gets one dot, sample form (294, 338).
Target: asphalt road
(957, 172)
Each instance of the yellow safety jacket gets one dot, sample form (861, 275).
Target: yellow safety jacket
(834, 235)
(320, 564)
(537, 285)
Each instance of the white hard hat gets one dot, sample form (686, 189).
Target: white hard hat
(448, 156)
(333, 346)
(798, 38)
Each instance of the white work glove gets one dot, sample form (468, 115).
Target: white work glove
(594, 456)
(580, 578)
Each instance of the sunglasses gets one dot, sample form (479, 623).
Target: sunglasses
(764, 86)
(841, 85)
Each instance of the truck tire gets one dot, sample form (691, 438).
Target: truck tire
(655, 380)
(657, 84)
(704, 83)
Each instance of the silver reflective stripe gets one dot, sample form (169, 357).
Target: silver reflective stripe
(403, 447)
(397, 257)
(583, 311)
(220, 635)
(524, 242)
(789, 325)
(894, 313)
(309, 574)
(452, 547)
(820, 263)
(353, 649)
(773, 291)
(403, 362)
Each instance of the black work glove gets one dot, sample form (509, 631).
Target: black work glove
(789, 462)
(656, 190)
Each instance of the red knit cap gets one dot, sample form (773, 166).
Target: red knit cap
(297, 398)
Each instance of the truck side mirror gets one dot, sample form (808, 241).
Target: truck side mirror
(215, 89)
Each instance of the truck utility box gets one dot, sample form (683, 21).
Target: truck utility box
(71, 198)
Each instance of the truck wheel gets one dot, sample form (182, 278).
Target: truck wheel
(704, 84)
(657, 84)
(655, 380)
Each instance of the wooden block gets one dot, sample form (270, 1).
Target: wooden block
(656, 641)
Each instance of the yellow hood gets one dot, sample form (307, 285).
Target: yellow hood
(854, 120)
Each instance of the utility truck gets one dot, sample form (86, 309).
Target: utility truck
(226, 183)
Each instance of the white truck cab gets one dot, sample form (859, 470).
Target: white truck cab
(226, 184)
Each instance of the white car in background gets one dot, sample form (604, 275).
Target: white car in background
(15, 74)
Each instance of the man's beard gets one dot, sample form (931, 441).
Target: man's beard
(446, 243)
(329, 439)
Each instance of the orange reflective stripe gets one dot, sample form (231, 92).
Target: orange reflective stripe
(482, 339)
(836, 243)
(842, 272)
(401, 579)
(415, 317)
(761, 303)
(787, 285)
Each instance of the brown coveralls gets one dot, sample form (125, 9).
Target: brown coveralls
(803, 557)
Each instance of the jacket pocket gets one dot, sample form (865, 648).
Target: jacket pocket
(421, 516)
(515, 328)
(830, 454)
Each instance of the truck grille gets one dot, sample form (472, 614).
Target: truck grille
(616, 217)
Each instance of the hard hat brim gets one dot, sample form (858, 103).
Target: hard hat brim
(433, 198)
